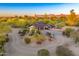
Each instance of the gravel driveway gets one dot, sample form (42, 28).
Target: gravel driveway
(17, 47)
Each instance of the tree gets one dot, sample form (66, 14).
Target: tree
(71, 18)
(43, 52)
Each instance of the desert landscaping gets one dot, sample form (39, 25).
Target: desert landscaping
(40, 35)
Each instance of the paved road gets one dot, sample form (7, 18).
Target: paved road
(17, 47)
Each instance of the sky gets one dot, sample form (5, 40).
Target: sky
(37, 8)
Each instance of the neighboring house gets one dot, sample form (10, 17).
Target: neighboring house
(41, 25)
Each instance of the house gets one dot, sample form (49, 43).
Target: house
(41, 25)
(50, 26)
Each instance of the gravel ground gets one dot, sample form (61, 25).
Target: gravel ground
(17, 47)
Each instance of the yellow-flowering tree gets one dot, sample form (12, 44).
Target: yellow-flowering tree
(71, 18)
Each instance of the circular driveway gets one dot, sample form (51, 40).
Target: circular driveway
(17, 47)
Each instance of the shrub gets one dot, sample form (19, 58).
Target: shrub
(27, 40)
(75, 36)
(62, 51)
(22, 33)
(38, 31)
(39, 38)
(43, 52)
(7, 38)
(46, 28)
(67, 32)
(2, 41)
(60, 25)
(77, 23)
(76, 39)
(2, 51)
(31, 33)
(19, 32)
(48, 34)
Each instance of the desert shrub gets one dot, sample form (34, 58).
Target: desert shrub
(7, 38)
(60, 25)
(2, 51)
(46, 28)
(27, 40)
(63, 51)
(2, 42)
(67, 31)
(77, 23)
(77, 40)
(38, 31)
(19, 32)
(48, 34)
(39, 38)
(43, 52)
(75, 36)
(22, 32)
(31, 33)
(2, 39)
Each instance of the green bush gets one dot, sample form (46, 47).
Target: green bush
(38, 31)
(31, 33)
(77, 40)
(67, 31)
(2, 51)
(43, 52)
(77, 23)
(27, 40)
(7, 39)
(62, 51)
(60, 25)
(75, 36)
(23, 32)
(2, 41)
